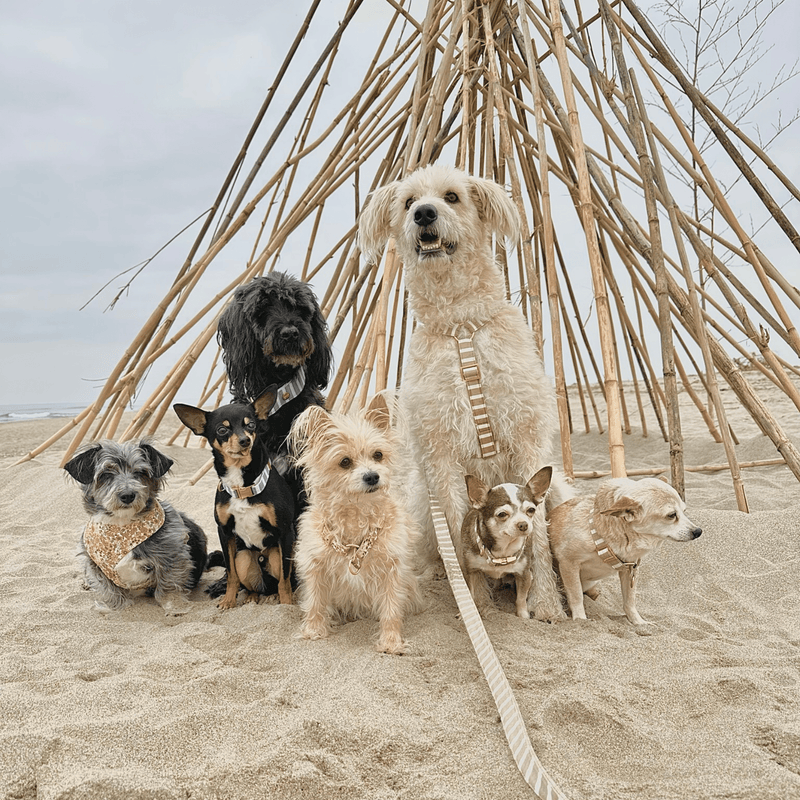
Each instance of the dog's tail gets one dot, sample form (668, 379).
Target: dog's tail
(215, 559)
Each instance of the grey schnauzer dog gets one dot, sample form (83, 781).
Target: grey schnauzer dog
(134, 543)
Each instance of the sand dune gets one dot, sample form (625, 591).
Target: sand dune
(231, 705)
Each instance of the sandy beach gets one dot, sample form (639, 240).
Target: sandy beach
(230, 705)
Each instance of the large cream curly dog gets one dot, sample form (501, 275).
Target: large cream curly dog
(442, 221)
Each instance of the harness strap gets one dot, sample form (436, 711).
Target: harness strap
(471, 374)
(289, 390)
(243, 492)
(609, 556)
(513, 725)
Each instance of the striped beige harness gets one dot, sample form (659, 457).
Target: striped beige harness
(609, 556)
(471, 374)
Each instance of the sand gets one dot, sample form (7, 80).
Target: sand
(231, 705)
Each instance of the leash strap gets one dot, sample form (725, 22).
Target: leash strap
(471, 374)
(513, 725)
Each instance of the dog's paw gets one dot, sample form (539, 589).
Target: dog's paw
(549, 614)
(314, 632)
(227, 602)
(395, 646)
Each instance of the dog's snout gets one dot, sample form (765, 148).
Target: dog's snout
(696, 532)
(371, 478)
(126, 498)
(289, 333)
(244, 442)
(522, 525)
(425, 215)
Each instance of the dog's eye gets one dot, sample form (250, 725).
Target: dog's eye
(451, 197)
(251, 426)
(530, 511)
(222, 431)
(409, 202)
(672, 515)
(502, 515)
(377, 456)
(345, 463)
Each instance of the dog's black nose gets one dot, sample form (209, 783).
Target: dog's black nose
(425, 215)
(522, 525)
(696, 532)
(244, 442)
(371, 478)
(289, 333)
(126, 498)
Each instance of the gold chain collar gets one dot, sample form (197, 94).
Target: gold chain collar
(361, 550)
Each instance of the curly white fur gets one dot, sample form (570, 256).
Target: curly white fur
(457, 282)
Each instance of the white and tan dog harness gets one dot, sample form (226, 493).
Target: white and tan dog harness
(107, 544)
(289, 390)
(243, 492)
(609, 556)
(497, 561)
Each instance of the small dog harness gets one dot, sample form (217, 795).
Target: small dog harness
(243, 492)
(107, 544)
(608, 555)
(471, 374)
(361, 550)
(289, 390)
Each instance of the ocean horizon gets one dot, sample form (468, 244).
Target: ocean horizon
(19, 412)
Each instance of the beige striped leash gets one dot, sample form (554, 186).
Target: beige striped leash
(513, 725)
(471, 373)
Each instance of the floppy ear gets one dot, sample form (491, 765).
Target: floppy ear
(320, 363)
(540, 483)
(374, 223)
(240, 349)
(495, 208)
(158, 461)
(625, 508)
(81, 466)
(378, 413)
(476, 491)
(193, 418)
(264, 402)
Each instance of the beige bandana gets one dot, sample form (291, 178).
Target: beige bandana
(108, 544)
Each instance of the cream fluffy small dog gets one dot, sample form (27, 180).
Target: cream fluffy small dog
(626, 517)
(442, 221)
(355, 542)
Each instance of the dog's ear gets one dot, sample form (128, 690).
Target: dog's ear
(378, 413)
(81, 466)
(375, 221)
(320, 362)
(540, 483)
(158, 461)
(495, 208)
(264, 402)
(625, 508)
(313, 422)
(193, 418)
(476, 491)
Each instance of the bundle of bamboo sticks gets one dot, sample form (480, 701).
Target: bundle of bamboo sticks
(512, 90)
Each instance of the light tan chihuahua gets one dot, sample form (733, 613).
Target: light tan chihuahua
(594, 537)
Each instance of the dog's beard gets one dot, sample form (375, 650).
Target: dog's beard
(287, 355)
(431, 245)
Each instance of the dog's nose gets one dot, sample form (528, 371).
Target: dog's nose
(288, 332)
(425, 215)
(522, 525)
(371, 478)
(244, 442)
(696, 532)
(126, 498)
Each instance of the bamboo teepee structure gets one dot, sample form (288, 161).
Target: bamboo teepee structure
(573, 114)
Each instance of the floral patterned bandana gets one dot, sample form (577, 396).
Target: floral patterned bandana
(107, 544)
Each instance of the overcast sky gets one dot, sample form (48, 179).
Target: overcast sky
(119, 122)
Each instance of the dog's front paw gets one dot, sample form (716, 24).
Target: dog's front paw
(314, 631)
(549, 614)
(394, 645)
(227, 602)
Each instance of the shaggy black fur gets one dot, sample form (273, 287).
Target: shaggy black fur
(271, 328)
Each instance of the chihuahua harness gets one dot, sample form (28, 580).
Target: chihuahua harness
(107, 544)
(243, 492)
(609, 556)
(471, 374)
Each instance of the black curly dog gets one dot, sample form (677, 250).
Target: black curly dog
(273, 335)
